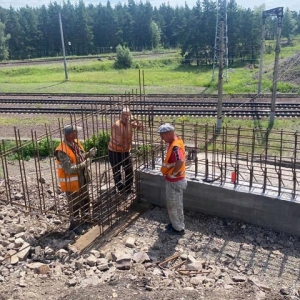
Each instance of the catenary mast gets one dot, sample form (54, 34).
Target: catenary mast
(221, 21)
(221, 55)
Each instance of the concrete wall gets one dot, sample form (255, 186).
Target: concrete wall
(268, 212)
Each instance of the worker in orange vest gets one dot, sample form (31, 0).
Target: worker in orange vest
(173, 170)
(119, 149)
(73, 175)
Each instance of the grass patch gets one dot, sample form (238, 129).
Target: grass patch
(288, 125)
(163, 73)
(6, 120)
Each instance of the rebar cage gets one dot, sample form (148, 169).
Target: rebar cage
(261, 160)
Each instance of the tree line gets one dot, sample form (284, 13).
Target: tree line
(30, 32)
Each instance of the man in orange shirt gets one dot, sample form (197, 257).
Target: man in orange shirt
(119, 149)
(173, 169)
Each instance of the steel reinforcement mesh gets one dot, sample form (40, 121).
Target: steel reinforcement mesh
(260, 159)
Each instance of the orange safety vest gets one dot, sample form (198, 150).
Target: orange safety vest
(120, 137)
(168, 171)
(68, 182)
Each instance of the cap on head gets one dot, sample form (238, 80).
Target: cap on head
(165, 128)
(70, 129)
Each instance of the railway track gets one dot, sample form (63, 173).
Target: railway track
(156, 112)
(178, 106)
(199, 103)
(163, 96)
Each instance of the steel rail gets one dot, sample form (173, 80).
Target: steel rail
(156, 111)
(173, 102)
(163, 96)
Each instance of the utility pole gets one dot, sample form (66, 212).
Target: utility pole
(63, 47)
(262, 49)
(221, 17)
(277, 51)
(278, 11)
(220, 80)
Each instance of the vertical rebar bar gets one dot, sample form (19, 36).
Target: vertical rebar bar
(22, 169)
(280, 164)
(252, 159)
(52, 166)
(5, 173)
(237, 168)
(223, 154)
(294, 162)
(205, 152)
(38, 174)
(265, 170)
(196, 148)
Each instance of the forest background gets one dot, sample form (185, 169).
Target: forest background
(184, 39)
(29, 32)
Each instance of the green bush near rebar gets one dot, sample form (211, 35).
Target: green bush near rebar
(44, 148)
(143, 151)
(100, 141)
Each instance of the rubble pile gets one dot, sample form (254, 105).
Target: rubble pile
(215, 254)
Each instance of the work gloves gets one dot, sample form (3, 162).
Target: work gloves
(93, 152)
(87, 162)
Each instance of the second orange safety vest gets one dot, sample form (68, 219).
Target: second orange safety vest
(169, 171)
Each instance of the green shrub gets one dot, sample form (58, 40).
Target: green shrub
(43, 148)
(144, 150)
(124, 58)
(284, 87)
(100, 141)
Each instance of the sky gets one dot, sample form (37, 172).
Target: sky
(291, 4)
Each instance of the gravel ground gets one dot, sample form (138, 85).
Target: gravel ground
(240, 261)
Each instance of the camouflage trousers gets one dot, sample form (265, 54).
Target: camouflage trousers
(79, 203)
(174, 200)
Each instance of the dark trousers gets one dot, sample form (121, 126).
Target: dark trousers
(79, 203)
(79, 206)
(118, 160)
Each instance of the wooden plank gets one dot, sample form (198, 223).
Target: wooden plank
(84, 240)
(97, 236)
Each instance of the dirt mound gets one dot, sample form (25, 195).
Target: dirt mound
(289, 69)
